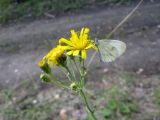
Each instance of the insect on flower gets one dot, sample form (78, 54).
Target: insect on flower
(110, 50)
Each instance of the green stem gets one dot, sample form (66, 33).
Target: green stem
(91, 112)
(58, 83)
(65, 73)
(70, 73)
(70, 62)
(79, 71)
(83, 74)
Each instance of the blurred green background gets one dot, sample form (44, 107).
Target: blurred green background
(11, 10)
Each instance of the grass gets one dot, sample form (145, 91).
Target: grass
(11, 109)
(119, 103)
(11, 11)
(27, 112)
(157, 97)
(114, 101)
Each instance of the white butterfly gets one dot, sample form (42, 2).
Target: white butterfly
(110, 49)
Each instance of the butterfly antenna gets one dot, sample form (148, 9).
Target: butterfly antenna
(124, 20)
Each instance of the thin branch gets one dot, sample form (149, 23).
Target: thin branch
(124, 20)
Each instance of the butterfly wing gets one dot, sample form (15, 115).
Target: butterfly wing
(111, 49)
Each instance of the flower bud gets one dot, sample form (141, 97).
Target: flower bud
(73, 86)
(45, 78)
(44, 66)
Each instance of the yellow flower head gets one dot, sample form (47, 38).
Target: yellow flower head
(78, 44)
(55, 56)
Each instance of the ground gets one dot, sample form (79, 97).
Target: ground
(126, 95)
(135, 74)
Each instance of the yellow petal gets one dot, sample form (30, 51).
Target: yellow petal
(95, 47)
(76, 52)
(66, 47)
(63, 40)
(88, 47)
(70, 53)
(82, 31)
(84, 34)
(74, 36)
(86, 30)
(74, 39)
(91, 46)
(83, 54)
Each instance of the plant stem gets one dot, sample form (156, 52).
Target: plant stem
(87, 105)
(70, 73)
(79, 71)
(58, 83)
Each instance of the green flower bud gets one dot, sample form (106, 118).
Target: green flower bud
(45, 78)
(44, 66)
(73, 86)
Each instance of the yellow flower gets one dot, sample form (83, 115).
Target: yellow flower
(78, 44)
(55, 56)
